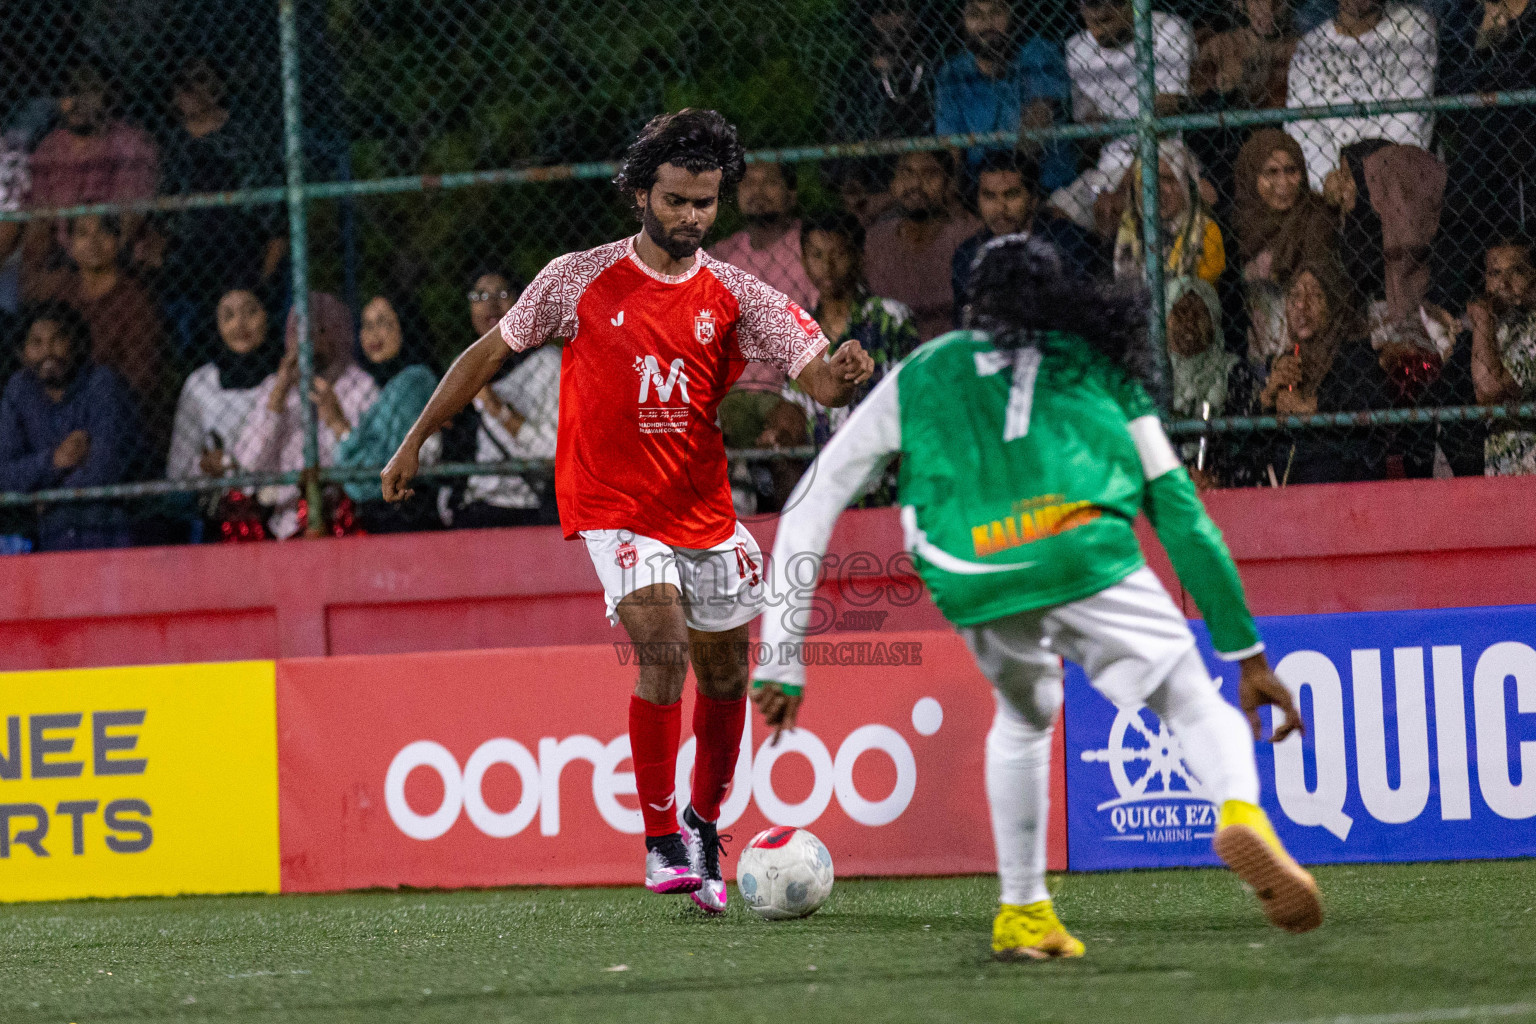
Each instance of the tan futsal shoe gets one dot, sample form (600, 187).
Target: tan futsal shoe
(1031, 932)
(1246, 843)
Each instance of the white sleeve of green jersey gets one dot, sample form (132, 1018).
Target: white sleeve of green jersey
(857, 452)
(1194, 543)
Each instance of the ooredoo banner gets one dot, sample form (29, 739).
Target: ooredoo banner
(138, 781)
(1420, 745)
(512, 767)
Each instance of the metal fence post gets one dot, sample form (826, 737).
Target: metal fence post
(298, 243)
(1146, 138)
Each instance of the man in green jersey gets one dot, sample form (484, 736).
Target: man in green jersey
(1029, 445)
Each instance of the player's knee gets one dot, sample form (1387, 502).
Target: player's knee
(661, 683)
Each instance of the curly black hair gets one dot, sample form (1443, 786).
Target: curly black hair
(1021, 287)
(695, 140)
(69, 319)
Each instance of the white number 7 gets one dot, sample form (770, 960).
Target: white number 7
(1021, 395)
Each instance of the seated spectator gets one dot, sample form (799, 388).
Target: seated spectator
(272, 440)
(1101, 61)
(394, 341)
(91, 157)
(909, 258)
(1389, 198)
(1504, 350)
(1008, 200)
(833, 254)
(1201, 370)
(1491, 151)
(1243, 68)
(1192, 243)
(125, 331)
(1279, 223)
(66, 422)
(1369, 51)
(210, 150)
(861, 188)
(518, 413)
(1000, 84)
(492, 292)
(891, 96)
(219, 395)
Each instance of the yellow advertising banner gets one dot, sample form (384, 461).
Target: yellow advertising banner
(143, 781)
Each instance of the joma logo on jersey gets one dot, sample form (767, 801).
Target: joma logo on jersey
(1030, 524)
(704, 327)
(649, 369)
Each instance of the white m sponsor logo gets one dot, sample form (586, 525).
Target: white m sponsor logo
(650, 373)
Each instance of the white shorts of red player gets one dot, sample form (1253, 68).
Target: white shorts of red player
(722, 586)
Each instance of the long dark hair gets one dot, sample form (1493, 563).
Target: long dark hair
(1021, 288)
(695, 140)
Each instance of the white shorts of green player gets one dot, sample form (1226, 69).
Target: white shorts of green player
(1136, 649)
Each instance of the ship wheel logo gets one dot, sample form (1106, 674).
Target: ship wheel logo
(1145, 761)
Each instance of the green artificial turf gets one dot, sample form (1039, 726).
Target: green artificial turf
(1402, 944)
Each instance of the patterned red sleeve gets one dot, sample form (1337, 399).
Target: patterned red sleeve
(772, 327)
(547, 307)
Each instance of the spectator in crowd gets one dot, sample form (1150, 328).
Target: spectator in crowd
(394, 340)
(125, 331)
(1101, 61)
(492, 291)
(212, 151)
(1000, 84)
(1191, 241)
(219, 395)
(66, 422)
(769, 246)
(1279, 223)
(1389, 198)
(1008, 199)
(272, 440)
(861, 188)
(1493, 154)
(1201, 369)
(517, 416)
(833, 255)
(892, 95)
(1243, 68)
(1504, 349)
(15, 184)
(91, 157)
(1368, 52)
(909, 258)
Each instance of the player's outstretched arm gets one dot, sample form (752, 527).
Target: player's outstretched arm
(858, 451)
(469, 373)
(832, 381)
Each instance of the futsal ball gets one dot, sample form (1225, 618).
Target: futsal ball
(784, 872)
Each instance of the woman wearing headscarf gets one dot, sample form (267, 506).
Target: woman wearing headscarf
(395, 355)
(1191, 241)
(1280, 223)
(1200, 366)
(273, 438)
(219, 395)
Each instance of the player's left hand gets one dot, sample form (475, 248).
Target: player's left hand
(779, 709)
(1259, 686)
(851, 364)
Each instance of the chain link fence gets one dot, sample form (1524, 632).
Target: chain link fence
(238, 245)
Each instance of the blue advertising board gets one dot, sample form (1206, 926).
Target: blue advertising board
(1420, 745)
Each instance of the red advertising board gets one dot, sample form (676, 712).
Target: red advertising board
(511, 767)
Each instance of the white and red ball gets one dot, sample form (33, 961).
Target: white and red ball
(784, 872)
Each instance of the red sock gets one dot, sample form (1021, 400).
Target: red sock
(654, 730)
(717, 724)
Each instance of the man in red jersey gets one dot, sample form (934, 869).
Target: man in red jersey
(655, 332)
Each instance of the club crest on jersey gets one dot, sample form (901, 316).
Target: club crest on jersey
(626, 556)
(704, 327)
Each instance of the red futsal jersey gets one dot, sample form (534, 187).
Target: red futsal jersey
(647, 360)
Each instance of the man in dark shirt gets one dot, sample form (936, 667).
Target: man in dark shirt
(66, 422)
(891, 92)
(1008, 200)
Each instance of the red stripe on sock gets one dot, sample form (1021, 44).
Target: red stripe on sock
(654, 730)
(717, 724)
